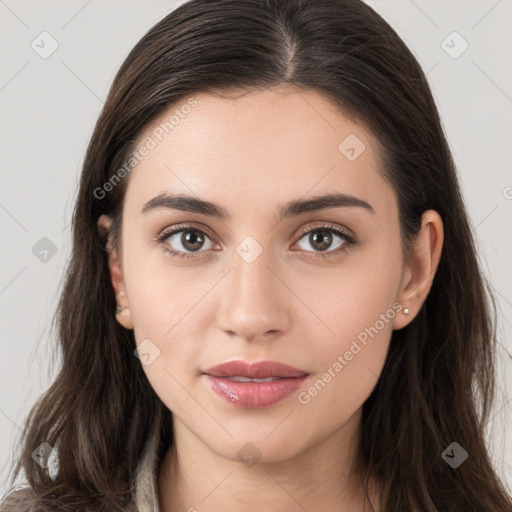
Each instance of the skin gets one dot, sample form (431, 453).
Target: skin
(251, 153)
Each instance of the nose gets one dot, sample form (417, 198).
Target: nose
(255, 304)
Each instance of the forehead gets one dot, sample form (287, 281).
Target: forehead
(257, 148)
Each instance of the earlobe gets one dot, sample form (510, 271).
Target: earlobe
(122, 312)
(419, 276)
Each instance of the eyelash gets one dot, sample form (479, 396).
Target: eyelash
(349, 240)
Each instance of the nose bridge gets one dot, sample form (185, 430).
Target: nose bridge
(251, 304)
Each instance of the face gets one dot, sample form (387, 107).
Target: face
(316, 289)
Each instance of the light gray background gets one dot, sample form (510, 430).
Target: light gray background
(49, 107)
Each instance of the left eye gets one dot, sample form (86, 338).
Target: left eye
(190, 239)
(321, 239)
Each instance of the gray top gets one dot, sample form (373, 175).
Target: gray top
(146, 480)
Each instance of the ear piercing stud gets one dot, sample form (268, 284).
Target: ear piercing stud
(406, 311)
(119, 309)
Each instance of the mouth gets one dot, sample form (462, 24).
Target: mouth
(254, 386)
(239, 378)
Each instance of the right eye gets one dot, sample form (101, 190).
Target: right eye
(184, 239)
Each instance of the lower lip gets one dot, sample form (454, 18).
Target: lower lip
(254, 395)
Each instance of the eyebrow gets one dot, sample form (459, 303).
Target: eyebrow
(291, 209)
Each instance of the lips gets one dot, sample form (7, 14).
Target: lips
(253, 386)
(261, 370)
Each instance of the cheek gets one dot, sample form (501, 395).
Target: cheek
(163, 307)
(159, 294)
(162, 303)
(346, 299)
(353, 309)
(348, 362)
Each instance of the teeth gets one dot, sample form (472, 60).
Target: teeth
(246, 379)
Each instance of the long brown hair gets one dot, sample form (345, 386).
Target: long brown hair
(437, 385)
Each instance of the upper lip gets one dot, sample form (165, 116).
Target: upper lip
(260, 370)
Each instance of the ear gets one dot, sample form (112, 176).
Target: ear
(419, 275)
(116, 274)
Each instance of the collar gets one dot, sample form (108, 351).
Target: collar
(146, 480)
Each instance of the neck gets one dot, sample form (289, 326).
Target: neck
(322, 477)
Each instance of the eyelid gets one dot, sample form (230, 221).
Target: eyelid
(170, 230)
(328, 225)
(305, 229)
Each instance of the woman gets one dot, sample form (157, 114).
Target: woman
(274, 300)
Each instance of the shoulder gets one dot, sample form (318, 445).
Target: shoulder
(21, 500)
(24, 500)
